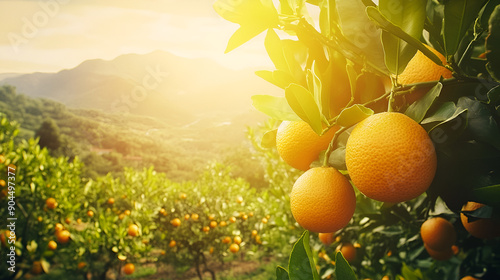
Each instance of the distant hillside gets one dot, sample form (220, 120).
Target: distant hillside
(177, 90)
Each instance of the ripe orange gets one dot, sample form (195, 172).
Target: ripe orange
(195, 217)
(133, 230)
(111, 201)
(226, 240)
(163, 212)
(213, 224)
(234, 248)
(58, 227)
(237, 240)
(52, 245)
(127, 212)
(390, 157)
(422, 69)
(223, 223)
(439, 255)
(298, 145)
(264, 220)
(176, 222)
(81, 265)
(348, 251)
(172, 244)
(239, 199)
(322, 200)
(183, 196)
(90, 213)
(2, 159)
(254, 233)
(63, 236)
(211, 217)
(386, 278)
(481, 228)
(129, 268)
(438, 234)
(232, 220)
(326, 238)
(469, 278)
(186, 217)
(211, 250)
(206, 229)
(455, 249)
(51, 203)
(2, 183)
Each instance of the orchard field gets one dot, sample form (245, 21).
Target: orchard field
(381, 159)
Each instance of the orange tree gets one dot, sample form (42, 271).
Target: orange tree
(433, 66)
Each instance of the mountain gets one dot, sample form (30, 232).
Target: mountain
(159, 84)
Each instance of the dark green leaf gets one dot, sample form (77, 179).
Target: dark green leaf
(354, 114)
(303, 104)
(418, 110)
(489, 195)
(342, 268)
(444, 112)
(409, 274)
(484, 16)
(281, 273)
(451, 128)
(360, 30)
(494, 96)
(410, 17)
(269, 139)
(481, 124)
(301, 264)
(275, 107)
(386, 25)
(458, 18)
(493, 45)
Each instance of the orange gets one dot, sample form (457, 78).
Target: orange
(234, 248)
(195, 217)
(211, 217)
(438, 255)
(111, 201)
(186, 217)
(163, 212)
(348, 251)
(183, 196)
(206, 229)
(2, 183)
(172, 244)
(133, 230)
(81, 265)
(455, 249)
(52, 245)
(232, 220)
(438, 234)
(58, 227)
(322, 200)
(211, 250)
(63, 236)
(298, 145)
(223, 223)
(90, 213)
(254, 233)
(213, 224)
(37, 268)
(481, 228)
(176, 222)
(226, 240)
(390, 157)
(385, 277)
(422, 69)
(469, 278)
(326, 238)
(239, 199)
(237, 240)
(264, 220)
(129, 268)
(127, 212)
(51, 203)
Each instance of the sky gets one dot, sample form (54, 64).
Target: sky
(51, 35)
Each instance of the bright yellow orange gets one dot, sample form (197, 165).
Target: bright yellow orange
(211, 217)
(183, 196)
(213, 224)
(439, 255)
(133, 230)
(422, 69)
(90, 213)
(163, 212)
(385, 277)
(237, 240)
(348, 251)
(481, 228)
(232, 220)
(51, 203)
(226, 240)
(298, 145)
(111, 201)
(58, 227)
(206, 229)
(469, 278)
(63, 236)
(129, 268)
(254, 233)
(239, 199)
(186, 217)
(52, 245)
(2, 183)
(176, 222)
(195, 217)
(234, 248)
(438, 234)
(326, 238)
(127, 212)
(390, 157)
(322, 200)
(264, 220)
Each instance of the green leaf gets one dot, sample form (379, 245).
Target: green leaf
(493, 45)
(276, 77)
(275, 107)
(281, 273)
(328, 17)
(409, 16)
(481, 124)
(386, 25)
(315, 85)
(411, 274)
(360, 30)
(242, 35)
(418, 110)
(444, 112)
(352, 115)
(484, 16)
(342, 268)
(269, 139)
(494, 96)
(489, 195)
(301, 264)
(303, 104)
(458, 18)
(451, 128)
(353, 77)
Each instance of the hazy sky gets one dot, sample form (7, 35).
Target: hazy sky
(50, 35)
